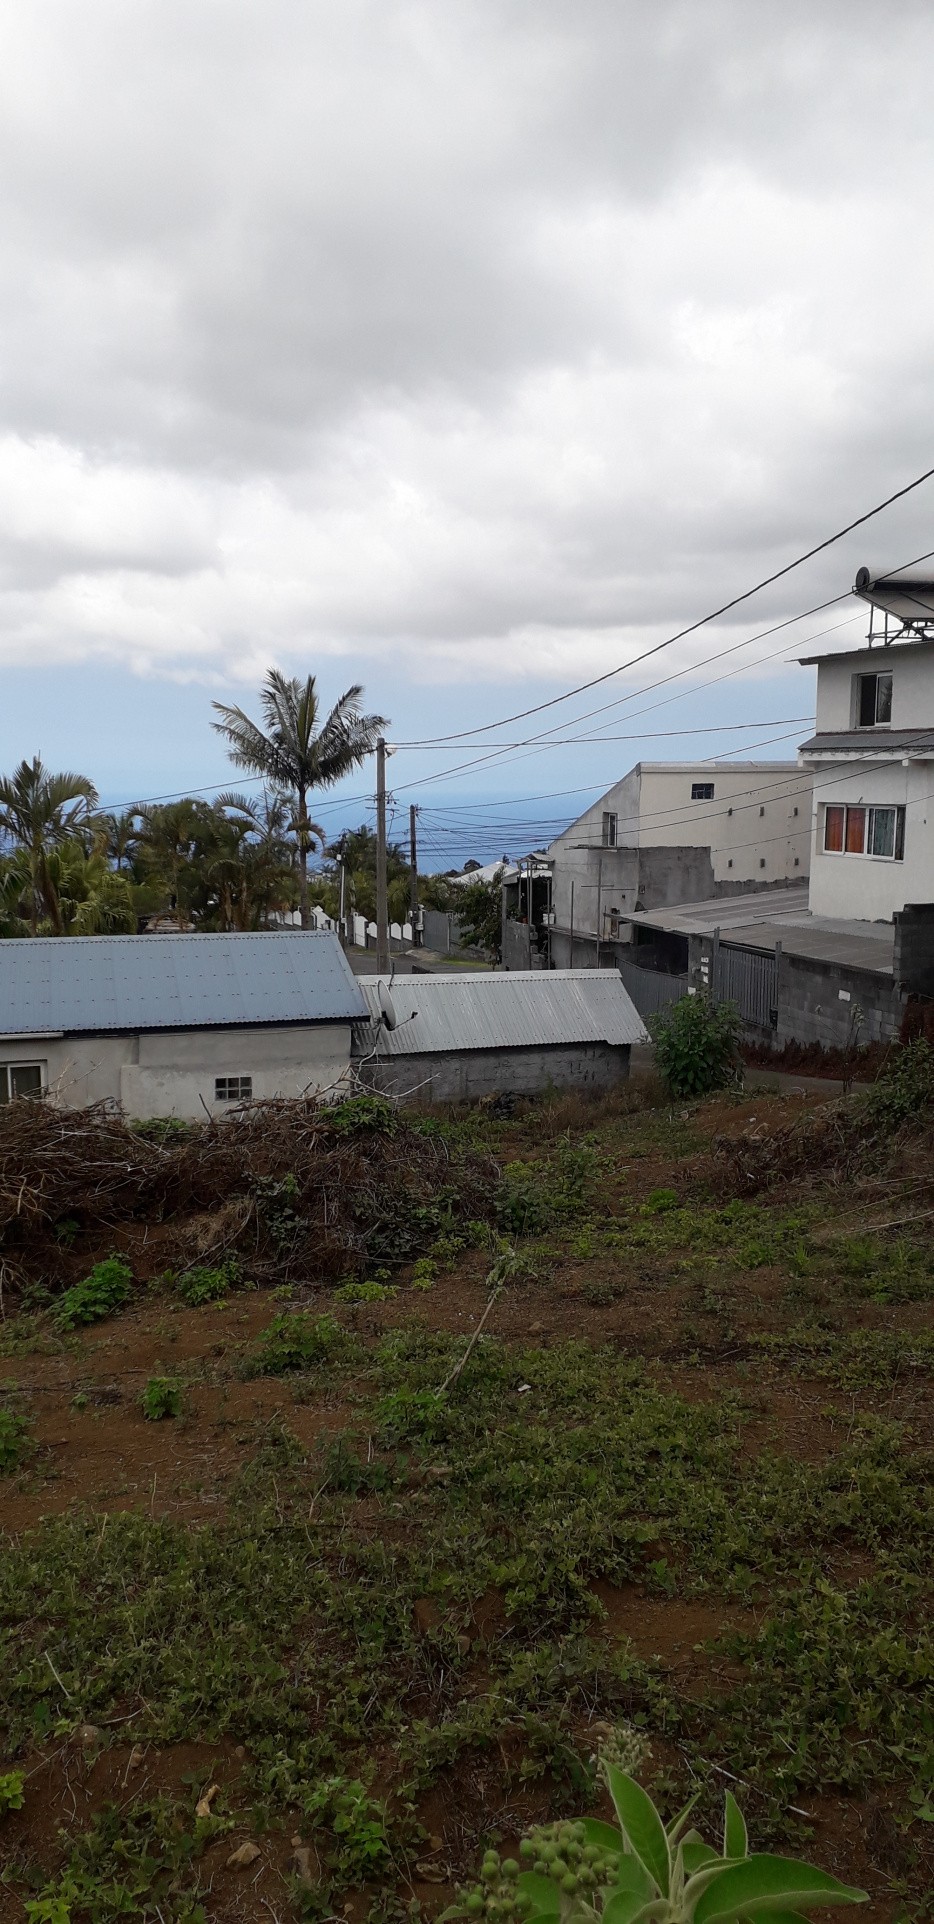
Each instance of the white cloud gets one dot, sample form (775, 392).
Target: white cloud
(491, 337)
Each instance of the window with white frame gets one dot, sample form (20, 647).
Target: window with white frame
(702, 791)
(873, 700)
(610, 824)
(20, 1079)
(233, 1089)
(862, 830)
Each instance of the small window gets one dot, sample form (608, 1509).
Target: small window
(762, 861)
(609, 829)
(20, 1079)
(702, 791)
(762, 811)
(233, 1089)
(873, 700)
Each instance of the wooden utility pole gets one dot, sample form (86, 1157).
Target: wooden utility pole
(413, 873)
(382, 896)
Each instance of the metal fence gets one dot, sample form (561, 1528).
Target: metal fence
(649, 989)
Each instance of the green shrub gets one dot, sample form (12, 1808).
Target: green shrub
(202, 1284)
(905, 1087)
(425, 1273)
(696, 1045)
(363, 1115)
(99, 1295)
(161, 1398)
(12, 1790)
(297, 1341)
(369, 1291)
(14, 1439)
(643, 1870)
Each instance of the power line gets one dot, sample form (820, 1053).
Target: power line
(714, 615)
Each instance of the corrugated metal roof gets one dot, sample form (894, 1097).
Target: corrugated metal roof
(438, 1014)
(96, 983)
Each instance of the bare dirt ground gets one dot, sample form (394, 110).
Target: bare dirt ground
(444, 1613)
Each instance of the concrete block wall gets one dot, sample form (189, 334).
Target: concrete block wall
(468, 1074)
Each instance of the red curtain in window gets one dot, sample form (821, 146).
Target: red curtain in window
(855, 831)
(833, 830)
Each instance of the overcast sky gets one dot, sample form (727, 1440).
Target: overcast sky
(460, 348)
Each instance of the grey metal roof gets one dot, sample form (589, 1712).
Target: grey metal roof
(762, 917)
(438, 1014)
(880, 656)
(91, 984)
(871, 742)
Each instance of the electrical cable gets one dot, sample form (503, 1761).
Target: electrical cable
(715, 614)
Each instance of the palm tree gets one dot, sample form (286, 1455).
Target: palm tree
(251, 868)
(39, 811)
(297, 755)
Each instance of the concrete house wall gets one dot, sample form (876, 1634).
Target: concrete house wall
(755, 831)
(172, 1072)
(870, 887)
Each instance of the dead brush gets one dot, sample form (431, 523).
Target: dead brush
(354, 1193)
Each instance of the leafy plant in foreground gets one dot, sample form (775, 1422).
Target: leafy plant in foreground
(205, 1284)
(12, 1790)
(643, 1873)
(13, 1440)
(696, 1045)
(105, 1290)
(161, 1398)
(296, 1341)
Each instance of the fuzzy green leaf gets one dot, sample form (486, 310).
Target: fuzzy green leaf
(762, 1885)
(735, 1835)
(622, 1907)
(605, 1836)
(674, 1830)
(642, 1826)
(543, 1892)
(697, 1854)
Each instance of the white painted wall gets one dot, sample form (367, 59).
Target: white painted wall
(757, 827)
(172, 1072)
(911, 665)
(870, 887)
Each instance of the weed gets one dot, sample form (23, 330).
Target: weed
(363, 1115)
(163, 1129)
(14, 1439)
(696, 1045)
(296, 1340)
(203, 1284)
(100, 1294)
(368, 1291)
(161, 1398)
(65, 1231)
(424, 1273)
(276, 1198)
(12, 1790)
(905, 1088)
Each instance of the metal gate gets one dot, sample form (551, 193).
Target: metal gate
(749, 978)
(649, 989)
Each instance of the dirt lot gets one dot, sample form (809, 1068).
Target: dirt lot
(681, 1482)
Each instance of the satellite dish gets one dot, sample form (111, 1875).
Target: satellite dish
(386, 1008)
(862, 579)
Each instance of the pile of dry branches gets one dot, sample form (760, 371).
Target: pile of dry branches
(297, 1189)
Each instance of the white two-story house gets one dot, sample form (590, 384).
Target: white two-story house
(872, 760)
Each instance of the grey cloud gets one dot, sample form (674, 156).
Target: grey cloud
(393, 324)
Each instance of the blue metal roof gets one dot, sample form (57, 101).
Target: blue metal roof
(95, 983)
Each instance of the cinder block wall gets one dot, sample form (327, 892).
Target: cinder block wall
(468, 1074)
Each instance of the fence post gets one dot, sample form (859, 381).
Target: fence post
(715, 967)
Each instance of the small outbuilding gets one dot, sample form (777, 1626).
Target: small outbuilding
(453, 1038)
(175, 1025)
